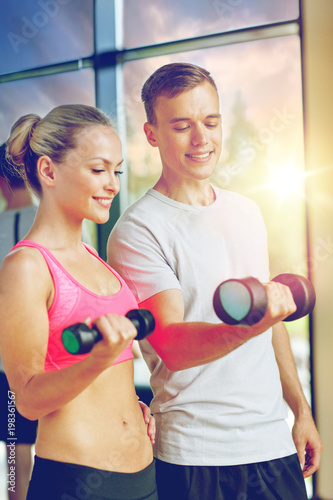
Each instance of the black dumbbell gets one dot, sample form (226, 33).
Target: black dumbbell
(80, 339)
(244, 301)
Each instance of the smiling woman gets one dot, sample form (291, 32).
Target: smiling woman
(89, 420)
(91, 170)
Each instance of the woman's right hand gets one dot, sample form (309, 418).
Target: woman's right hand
(117, 332)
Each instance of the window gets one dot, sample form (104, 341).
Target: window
(149, 22)
(43, 32)
(40, 40)
(39, 95)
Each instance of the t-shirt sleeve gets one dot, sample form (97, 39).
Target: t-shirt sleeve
(136, 253)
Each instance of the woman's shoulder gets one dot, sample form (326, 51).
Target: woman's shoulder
(23, 264)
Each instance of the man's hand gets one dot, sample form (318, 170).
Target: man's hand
(149, 420)
(308, 444)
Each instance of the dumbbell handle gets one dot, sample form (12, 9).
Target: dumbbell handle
(80, 339)
(303, 292)
(244, 301)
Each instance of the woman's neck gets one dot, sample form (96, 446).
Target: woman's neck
(55, 231)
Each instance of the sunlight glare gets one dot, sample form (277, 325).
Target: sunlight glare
(287, 180)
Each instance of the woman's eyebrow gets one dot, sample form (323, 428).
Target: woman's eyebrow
(105, 160)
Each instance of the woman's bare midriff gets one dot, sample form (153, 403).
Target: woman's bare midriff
(103, 427)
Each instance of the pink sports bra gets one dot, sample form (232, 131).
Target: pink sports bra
(74, 303)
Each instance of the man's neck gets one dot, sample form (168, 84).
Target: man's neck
(196, 194)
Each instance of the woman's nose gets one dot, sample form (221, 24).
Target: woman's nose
(112, 184)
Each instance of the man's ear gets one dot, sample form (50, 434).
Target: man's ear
(46, 171)
(150, 134)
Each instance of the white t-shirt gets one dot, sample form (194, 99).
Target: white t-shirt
(229, 411)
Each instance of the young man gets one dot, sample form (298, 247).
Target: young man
(218, 398)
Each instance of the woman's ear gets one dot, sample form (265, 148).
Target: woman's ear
(46, 171)
(150, 134)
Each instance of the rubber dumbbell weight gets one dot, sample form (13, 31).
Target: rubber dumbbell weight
(80, 339)
(244, 301)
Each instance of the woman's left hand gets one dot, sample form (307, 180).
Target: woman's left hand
(149, 420)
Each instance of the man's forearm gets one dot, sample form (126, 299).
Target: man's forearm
(291, 386)
(185, 345)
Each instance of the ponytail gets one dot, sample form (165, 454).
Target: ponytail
(19, 152)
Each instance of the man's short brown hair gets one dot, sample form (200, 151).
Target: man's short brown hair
(169, 81)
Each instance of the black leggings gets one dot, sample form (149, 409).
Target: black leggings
(53, 480)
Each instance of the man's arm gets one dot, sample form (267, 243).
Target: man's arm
(307, 441)
(184, 345)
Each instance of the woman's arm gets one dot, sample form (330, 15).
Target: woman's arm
(26, 289)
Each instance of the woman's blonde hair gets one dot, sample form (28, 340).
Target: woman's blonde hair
(54, 135)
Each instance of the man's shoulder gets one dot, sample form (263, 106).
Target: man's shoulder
(141, 204)
(237, 199)
(136, 221)
(146, 210)
(233, 195)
